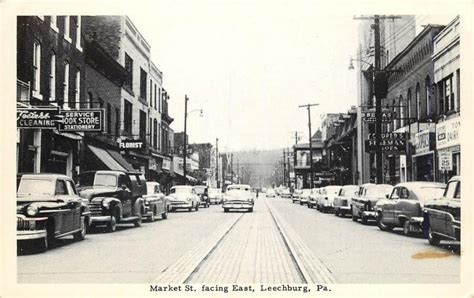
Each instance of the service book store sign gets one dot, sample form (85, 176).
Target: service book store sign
(91, 120)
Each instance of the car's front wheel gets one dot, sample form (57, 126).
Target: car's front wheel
(406, 228)
(80, 235)
(382, 225)
(112, 224)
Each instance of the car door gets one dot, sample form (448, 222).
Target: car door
(406, 206)
(442, 220)
(388, 210)
(63, 217)
(125, 194)
(74, 203)
(160, 198)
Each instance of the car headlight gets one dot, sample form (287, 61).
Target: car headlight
(188, 199)
(250, 200)
(105, 203)
(32, 210)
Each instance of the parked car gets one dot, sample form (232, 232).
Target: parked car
(156, 204)
(297, 196)
(285, 193)
(202, 192)
(113, 197)
(183, 197)
(403, 208)
(48, 208)
(313, 196)
(444, 214)
(238, 196)
(215, 196)
(304, 197)
(270, 193)
(325, 200)
(343, 201)
(363, 205)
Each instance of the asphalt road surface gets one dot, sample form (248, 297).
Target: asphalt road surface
(280, 242)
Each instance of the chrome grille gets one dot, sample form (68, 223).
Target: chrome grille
(22, 225)
(95, 208)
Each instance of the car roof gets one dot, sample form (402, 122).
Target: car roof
(51, 175)
(420, 183)
(455, 178)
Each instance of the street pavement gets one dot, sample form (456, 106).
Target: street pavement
(280, 242)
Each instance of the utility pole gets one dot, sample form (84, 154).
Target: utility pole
(185, 149)
(289, 168)
(378, 81)
(296, 137)
(308, 107)
(217, 163)
(284, 166)
(232, 167)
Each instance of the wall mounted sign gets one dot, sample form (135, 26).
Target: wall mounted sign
(37, 118)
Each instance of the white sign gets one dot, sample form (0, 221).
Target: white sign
(445, 160)
(448, 133)
(166, 164)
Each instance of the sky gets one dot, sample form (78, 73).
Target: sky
(250, 66)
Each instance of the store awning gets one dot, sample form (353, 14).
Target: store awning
(122, 161)
(106, 158)
(69, 135)
(190, 178)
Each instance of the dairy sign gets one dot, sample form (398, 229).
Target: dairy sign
(37, 118)
(448, 133)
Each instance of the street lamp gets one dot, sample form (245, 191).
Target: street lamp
(185, 147)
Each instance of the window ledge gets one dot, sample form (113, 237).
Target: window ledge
(55, 28)
(79, 48)
(67, 38)
(37, 95)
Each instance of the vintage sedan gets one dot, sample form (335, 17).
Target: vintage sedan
(325, 201)
(238, 196)
(404, 207)
(304, 197)
(48, 208)
(343, 201)
(156, 204)
(297, 196)
(443, 214)
(202, 192)
(285, 193)
(215, 195)
(363, 205)
(270, 193)
(313, 196)
(183, 197)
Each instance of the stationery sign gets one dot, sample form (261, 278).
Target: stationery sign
(81, 120)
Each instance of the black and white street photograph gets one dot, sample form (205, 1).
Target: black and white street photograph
(239, 147)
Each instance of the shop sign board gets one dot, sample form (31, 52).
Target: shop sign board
(152, 164)
(90, 120)
(369, 116)
(445, 160)
(448, 133)
(132, 145)
(394, 143)
(423, 142)
(166, 164)
(37, 118)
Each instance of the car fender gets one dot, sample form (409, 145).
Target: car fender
(139, 205)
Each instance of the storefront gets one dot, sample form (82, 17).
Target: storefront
(448, 147)
(424, 159)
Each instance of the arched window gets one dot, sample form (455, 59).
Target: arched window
(36, 84)
(428, 96)
(418, 102)
(66, 84)
(409, 108)
(155, 133)
(77, 90)
(52, 78)
(402, 113)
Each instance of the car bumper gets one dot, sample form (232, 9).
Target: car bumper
(180, 205)
(30, 235)
(102, 218)
(344, 208)
(243, 205)
(369, 214)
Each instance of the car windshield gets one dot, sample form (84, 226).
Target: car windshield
(199, 190)
(348, 191)
(105, 180)
(152, 188)
(183, 190)
(298, 191)
(29, 187)
(332, 190)
(213, 190)
(238, 192)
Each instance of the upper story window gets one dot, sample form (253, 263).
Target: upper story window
(67, 28)
(418, 102)
(127, 116)
(77, 90)
(36, 84)
(90, 100)
(52, 78)
(78, 33)
(143, 80)
(66, 84)
(54, 23)
(155, 97)
(129, 69)
(151, 93)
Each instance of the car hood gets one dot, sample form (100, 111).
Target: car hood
(22, 205)
(179, 197)
(89, 193)
(238, 197)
